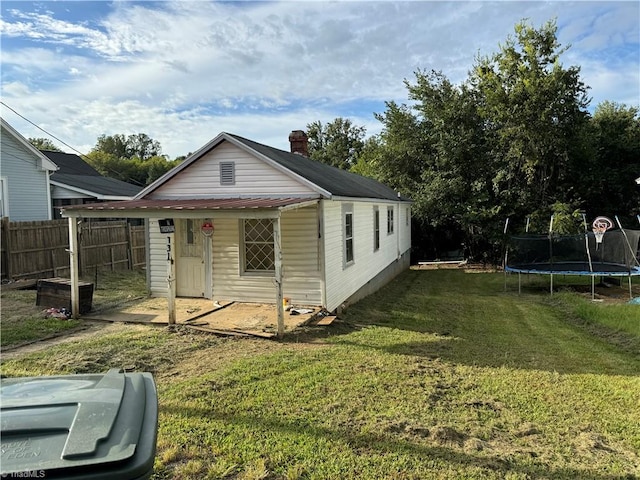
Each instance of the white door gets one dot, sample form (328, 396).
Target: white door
(190, 259)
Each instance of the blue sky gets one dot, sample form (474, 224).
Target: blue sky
(182, 72)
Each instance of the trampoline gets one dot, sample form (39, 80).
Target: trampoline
(612, 253)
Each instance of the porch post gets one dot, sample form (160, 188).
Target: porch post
(171, 280)
(278, 266)
(73, 267)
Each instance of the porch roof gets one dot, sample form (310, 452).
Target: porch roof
(147, 207)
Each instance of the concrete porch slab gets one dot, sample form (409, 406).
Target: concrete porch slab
(203, 314)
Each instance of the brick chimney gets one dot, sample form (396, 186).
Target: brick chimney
(299, 142)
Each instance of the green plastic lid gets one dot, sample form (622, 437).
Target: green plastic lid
(98, 426)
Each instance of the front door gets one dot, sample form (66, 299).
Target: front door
(190, 259)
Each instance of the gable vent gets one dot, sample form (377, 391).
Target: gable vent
(227, 173)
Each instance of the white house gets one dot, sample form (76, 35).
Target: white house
(242, 221)
(25, 189)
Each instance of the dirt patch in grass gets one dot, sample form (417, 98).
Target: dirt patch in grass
(83, 330)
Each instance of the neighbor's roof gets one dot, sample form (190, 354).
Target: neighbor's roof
(70, 163)
(96, 186)
(76, 174)
(325, 179)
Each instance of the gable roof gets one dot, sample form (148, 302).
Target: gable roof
(77, 175)
(327, 180)
(43, 161)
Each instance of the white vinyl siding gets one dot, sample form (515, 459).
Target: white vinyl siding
(157, 255)
(27, 184)
(342, 283)
(60, 193)
(253, 177)
(301, 265)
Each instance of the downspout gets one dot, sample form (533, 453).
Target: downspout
(398, 236)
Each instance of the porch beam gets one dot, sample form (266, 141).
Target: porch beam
(296, 206)
(172, 213)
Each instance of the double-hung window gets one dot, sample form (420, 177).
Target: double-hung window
(347, 216)
(389, 220)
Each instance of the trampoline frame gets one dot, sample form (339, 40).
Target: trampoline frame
(593, 269)
(633, 272)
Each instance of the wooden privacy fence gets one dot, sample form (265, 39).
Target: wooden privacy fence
(40, 249)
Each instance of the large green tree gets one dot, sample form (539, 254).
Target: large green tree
(534, 109)
(337, 143)
(503, 143)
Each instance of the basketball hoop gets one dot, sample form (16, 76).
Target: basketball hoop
(600, 226)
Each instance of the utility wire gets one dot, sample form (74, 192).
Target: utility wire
(42, 129)
(82, 155)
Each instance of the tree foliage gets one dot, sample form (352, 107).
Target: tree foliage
(134, 159)
(608, 187)
(44, 144)
(138, 145)
(534, 108)
(337, 143)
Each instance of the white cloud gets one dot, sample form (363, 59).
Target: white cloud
(183, 71)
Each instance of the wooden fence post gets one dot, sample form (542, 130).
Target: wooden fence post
(129, 246)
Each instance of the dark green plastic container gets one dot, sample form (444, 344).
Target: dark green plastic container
(98, 426)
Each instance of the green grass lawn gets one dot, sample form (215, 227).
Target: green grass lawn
(439, 375)
(22, 321)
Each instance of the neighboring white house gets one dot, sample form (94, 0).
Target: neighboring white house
(254, 223)
(76, 183)
(25, 191)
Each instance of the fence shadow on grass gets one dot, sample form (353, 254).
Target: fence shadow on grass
(383, 445)
(468, 319)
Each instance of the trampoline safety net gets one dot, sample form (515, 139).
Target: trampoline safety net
(575, 254)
